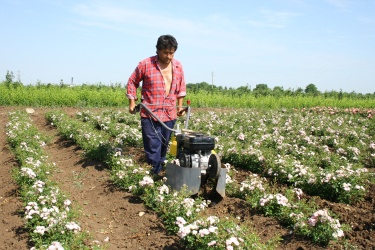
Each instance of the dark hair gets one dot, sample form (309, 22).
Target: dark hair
(166, 42)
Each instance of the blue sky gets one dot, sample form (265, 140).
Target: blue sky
(286, 43)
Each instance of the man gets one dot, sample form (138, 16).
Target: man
(163, 84)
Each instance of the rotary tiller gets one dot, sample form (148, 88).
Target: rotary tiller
(197, 161)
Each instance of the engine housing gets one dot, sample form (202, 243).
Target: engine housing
(194, 150)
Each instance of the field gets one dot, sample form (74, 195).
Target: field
(269, 147)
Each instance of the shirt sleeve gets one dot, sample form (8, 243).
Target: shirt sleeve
(182, 85)
(133, 82)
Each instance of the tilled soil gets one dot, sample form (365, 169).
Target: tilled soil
(113, 217)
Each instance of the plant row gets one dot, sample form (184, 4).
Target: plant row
(49, 218)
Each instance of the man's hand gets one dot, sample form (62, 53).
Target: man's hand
(132, 106)
(132, 111)
(181, 112)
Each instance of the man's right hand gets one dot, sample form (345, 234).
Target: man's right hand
(132, 106)
(132, 111)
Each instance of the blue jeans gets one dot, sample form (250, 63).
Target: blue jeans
(155, 141)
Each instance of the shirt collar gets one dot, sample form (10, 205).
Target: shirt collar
(155, 61)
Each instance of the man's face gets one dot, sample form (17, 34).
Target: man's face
(165, 55)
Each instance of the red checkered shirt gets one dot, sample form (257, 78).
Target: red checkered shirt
(153, 88)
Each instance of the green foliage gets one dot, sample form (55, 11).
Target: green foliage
(201, 95)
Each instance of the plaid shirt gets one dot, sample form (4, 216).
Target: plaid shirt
(153, 88)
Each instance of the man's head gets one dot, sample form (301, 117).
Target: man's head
(166, 46)
(167, 42)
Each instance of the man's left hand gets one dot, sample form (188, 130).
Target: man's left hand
(181, 112)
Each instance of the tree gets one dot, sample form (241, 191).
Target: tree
(278, 91)
(9, 77)
(201, 86)
(299, 91)
(261, 90)
(311, 89)
(261, 87)
(243, 89)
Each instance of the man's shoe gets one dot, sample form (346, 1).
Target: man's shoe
(157, 177)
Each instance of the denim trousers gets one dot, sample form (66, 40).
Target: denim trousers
(155, 141)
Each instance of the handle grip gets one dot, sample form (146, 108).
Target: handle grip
(182, 111)
(137, 108)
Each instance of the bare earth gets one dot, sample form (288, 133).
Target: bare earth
(113, 218)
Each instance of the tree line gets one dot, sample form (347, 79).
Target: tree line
(260, 90)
